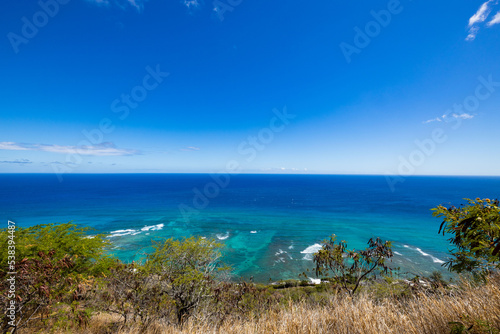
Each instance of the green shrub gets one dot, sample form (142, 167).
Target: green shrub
(88, 253)
(52, 264)
(475, 231)
(349, 268)
(188, 267)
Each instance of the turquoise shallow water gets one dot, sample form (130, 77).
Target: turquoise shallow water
(270, 224)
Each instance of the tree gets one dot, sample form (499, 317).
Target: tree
(188, 267)
(475, 233)
(47, 264)
(350, 267)
(133, 293)
(88, 253)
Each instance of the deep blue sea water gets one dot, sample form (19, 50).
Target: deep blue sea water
(270, 224)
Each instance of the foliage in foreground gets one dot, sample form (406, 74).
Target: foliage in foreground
(178, 277)
(53, 264)
(188, 268)
(62, 240)
(66, 283)
(475, 231)
(464, 309)
(351, 267)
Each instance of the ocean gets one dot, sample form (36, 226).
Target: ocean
(270, 224)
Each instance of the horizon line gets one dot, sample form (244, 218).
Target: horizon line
(254, 173)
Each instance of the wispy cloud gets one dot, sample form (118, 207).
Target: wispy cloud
(445, 117)
(462, 116)
(472, 34)
(283, 170)
(100, 2)
(137, 4)
(17, 161)
(104, 149)
(479, 17)
(190, 148)
(481, 14)
(437, 119)
(494, 20)
(191, 4)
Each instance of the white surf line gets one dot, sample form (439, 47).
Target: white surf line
(434, 259)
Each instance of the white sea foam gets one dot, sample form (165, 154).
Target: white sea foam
(253, 232)
(120, 233)
(130, 231)
(315, 280)
(309, 251)
(280, 252)
(152, 227)
(433, 258)
(282, 258)
(397, 253)
(222, 236)
(123, 231)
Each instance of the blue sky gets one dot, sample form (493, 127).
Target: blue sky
(365, 87)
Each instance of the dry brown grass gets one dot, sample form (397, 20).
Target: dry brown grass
(420, 313)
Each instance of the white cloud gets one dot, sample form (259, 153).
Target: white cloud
(137, 4)
(437, 119)
(17, 161)
(7, 145)
(100, 2)
(191, 3)
(481, 14)
(123, 4)
(190, 148)
(104, 149)
(472, 34)
(494, 20)
(479, 17)
(463, 116)
(282, 169)
(444, 117)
